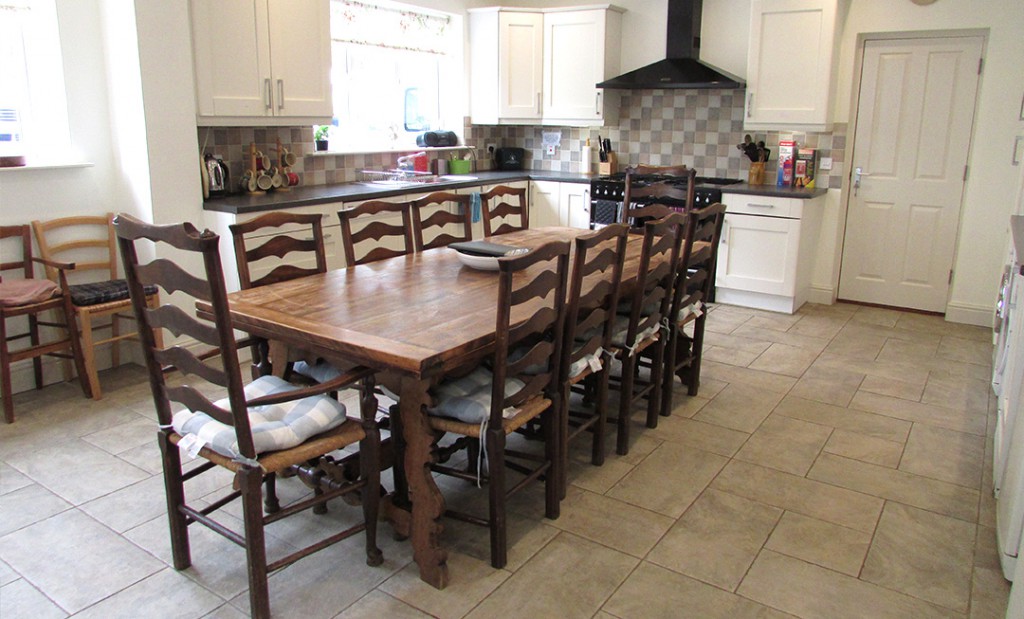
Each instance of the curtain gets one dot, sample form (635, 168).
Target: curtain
(382, 25)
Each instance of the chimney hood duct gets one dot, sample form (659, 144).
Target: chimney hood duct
(681, 68)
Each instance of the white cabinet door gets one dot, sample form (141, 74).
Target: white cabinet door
(262, 62)
(300, 45)
(520, 64)
(544, 204)
(574, 202)
(574, 55)
(789, 64)
(232, 59)
(759, 254)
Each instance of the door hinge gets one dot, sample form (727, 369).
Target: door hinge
(981, 63)
(965, 172)
(950, 282)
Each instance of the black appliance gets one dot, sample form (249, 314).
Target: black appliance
(681, 67)
(509, 158)
(437, 138)
(606, 193)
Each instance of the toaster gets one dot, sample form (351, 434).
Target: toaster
(509, 158)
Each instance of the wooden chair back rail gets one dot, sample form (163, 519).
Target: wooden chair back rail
(504, 209)
(279, 246)
(189, 364)
(424, 219)
(669, 170)
(55, 250)
(660, 253)
(656, 191)
(25, 263)
(542, 330)
(374, 230)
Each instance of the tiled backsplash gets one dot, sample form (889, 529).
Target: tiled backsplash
(699, 128)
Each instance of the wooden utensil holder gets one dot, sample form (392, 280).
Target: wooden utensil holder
(756, 175)
(609, 166)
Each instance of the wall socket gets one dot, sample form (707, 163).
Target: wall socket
(491, 147)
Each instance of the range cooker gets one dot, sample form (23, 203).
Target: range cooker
(607, 192)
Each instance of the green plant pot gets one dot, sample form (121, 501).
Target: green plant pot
(460, 166)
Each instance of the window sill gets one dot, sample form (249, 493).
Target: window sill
(410, 149)
(50, 165)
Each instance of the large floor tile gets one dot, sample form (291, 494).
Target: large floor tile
(11, 479)
(911, 372)
(825, 326)
(798, 494)
(868, 424)
(828, 385)
(945, 455)
(865, 448)
(819, 542)
(375, 605)
(959, 419)
(810, 591)
(669, 479)
(785, 359)
(978, 352)
(526, 537)
(763, 381)
(739, 407)
(958, 392)
(694, 433)
(588, 574)
(922, 554)
(786, 444)
(84, 561)
(937, 496)
(806, 343)
(908, 351)
(130, 506)
(20, 600)
(474, 580)
(611, 522)
(76, 471)
(989, 593)
(856, 344)
(164, 594)
(716, 540)
(653, 592)
(893, 386)
(27, 506)
(7, 575)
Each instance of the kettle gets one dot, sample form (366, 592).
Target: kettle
(218, 175)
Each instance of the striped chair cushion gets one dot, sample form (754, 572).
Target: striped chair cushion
(468, 398)
(274, 427)
(96, 293)
(621, 329)
(321, 371)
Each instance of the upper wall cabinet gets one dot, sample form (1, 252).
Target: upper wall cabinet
(790, 64)
(262, 62)
(541, 66)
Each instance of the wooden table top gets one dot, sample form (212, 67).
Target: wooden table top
(419, 314)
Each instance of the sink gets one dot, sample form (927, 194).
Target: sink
(457, 178)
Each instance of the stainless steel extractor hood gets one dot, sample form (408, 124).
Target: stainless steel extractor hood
(681, 68)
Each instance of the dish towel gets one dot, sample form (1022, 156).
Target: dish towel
(475, 205)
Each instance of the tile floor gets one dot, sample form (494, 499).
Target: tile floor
(835, 464)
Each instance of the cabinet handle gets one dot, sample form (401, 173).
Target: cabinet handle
(750, 103)
(280, 94)
(538, 103)
(1015, 160)
(586, 201)
(267, 94)
(724, 240)
(597, 103)
(755, 205)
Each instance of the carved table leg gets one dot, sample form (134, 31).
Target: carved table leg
(427, 501)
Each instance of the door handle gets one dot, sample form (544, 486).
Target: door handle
(858, 172)
(750, 104)
(280, 95)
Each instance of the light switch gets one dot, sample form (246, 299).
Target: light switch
(826, 163)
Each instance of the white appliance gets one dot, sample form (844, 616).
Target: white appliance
(1007, 382)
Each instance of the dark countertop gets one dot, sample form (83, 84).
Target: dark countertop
(351, 192)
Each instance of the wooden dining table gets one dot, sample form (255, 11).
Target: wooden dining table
(411, 318)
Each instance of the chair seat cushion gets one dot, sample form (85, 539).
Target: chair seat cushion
(621, 330)
(592, 360)
(95, 293)
(18, 292)
(468, 398)
(321, 371)
(274, 427)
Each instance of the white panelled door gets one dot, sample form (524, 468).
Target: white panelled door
(917, 100)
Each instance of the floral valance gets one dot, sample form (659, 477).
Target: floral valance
(383, 25)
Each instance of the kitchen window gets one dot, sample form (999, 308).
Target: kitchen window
(389, 64)
(33, 104)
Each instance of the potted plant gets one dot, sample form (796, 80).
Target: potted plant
(320, 136)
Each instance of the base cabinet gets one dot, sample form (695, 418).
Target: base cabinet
(766, 254)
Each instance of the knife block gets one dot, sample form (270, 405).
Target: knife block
(609, 166)
(756, 175)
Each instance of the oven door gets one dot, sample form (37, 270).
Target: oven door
(604, 212)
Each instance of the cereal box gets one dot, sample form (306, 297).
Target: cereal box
(787, 150)
(804, 167)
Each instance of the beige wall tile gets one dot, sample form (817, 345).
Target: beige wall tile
(716, 540)
(819, 542)
(807, 590)
(922, 554)
(938, 496)
(799, 494)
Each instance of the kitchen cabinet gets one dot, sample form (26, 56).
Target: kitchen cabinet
(530, 66)
(790, 63)
(766, 254)
(262, 62)
(559, 204)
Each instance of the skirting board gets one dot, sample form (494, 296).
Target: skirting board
(821, 296)
(979, 315)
